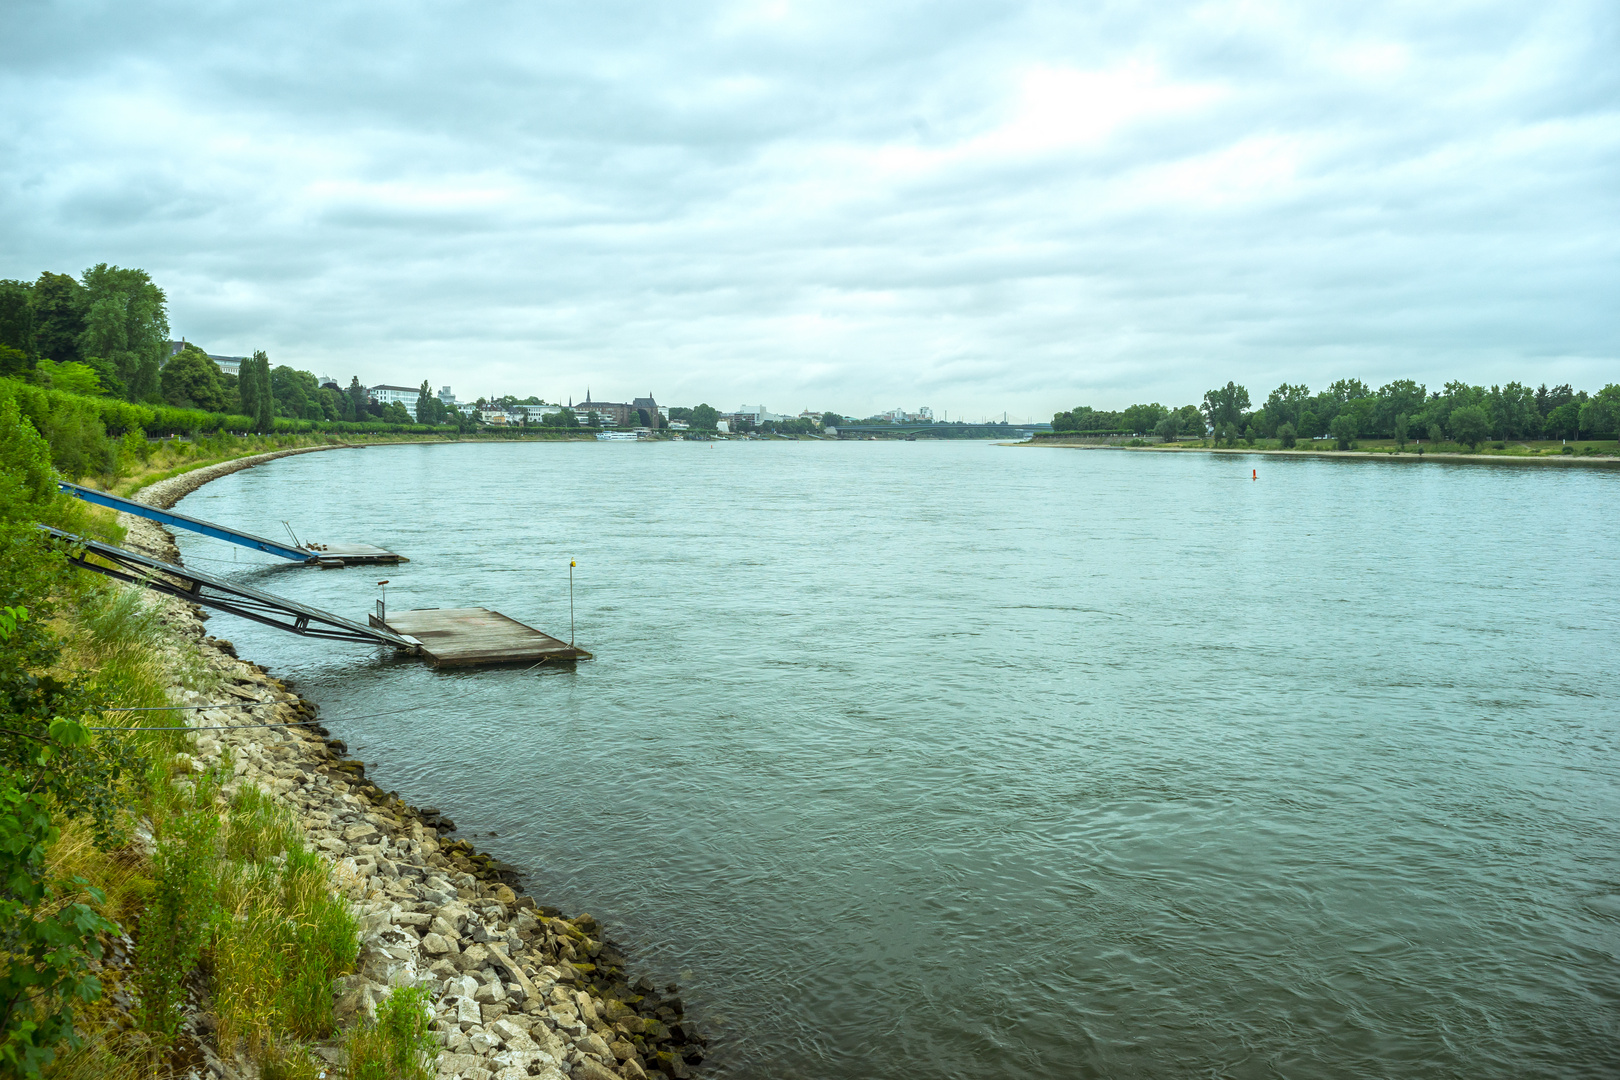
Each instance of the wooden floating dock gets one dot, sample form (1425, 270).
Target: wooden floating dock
(454, 637)
(337, 556)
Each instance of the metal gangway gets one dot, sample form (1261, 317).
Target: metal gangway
(221, 594)
(324, 555)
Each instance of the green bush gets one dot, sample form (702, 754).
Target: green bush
(400, 1045)
(48, 946)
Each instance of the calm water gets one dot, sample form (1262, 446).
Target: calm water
(955, 760)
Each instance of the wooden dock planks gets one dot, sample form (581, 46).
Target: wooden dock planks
(453, 637)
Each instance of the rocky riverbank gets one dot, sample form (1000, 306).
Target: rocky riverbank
(518, 990)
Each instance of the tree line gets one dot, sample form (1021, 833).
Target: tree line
(1349, 409)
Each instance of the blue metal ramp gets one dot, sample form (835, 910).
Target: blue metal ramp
(330, 555)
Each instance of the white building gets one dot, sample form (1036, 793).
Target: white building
(759, 414)
(406, 395)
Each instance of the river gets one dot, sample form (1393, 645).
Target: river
(961, 760)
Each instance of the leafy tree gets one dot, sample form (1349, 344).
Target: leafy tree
(1343, 430)
(127, 323)
(247, 387)
(1401, 397)
(1435, 434)
(1142, 419)
(16, 327)
(1192, 421)
(828, 419)
(294, 393)
(424, 403)
(358, 396)
(643, 419)
(191, 381)
(230, 392)
(1284, 406)
(706, 416)
(1224, 406)
(1169, 427)
(1601, 415)
(70, 378)
(1400, 430)
(1548, 400)
(1513, 411)
(14, 363)
(1287, 435)
(593, 419)
(394, 413)
(1470, 424)
(264, 399)
(1564, 421)
(59, 304)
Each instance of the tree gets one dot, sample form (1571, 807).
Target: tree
(1142, 419)
(17, 327)
(1343, 430)
(1602, 413)
(1394, 399)
(1470, 424)
(1169, 427)
(1192, 421)
(1285, 406)
(126, 323)
(828, 419)
(395, 413)
(1287, 435)
(69, 378)
(191, 381)
(424, 404)
(705, 417)
(264, 400)
(1435, 434)
(1224, 407)
(1564, 421)
(1513, 411)
(1400, 430)
(59, 305)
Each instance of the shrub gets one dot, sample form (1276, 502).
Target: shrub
(400, 1045)
(1343, 430)
(48, 945)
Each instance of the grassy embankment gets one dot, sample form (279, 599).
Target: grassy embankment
(216, 905)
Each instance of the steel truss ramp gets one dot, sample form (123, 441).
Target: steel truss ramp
(221, 594)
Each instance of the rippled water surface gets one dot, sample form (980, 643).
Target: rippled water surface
(957, 760)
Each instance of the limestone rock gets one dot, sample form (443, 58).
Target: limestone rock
(593, 1044)
(590, 1069)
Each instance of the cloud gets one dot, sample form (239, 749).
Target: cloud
(973, 206)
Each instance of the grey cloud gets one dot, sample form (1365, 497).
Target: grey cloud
(838, 206)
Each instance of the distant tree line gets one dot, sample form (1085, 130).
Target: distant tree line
(1349, 409)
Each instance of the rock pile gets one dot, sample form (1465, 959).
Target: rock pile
(518, 991)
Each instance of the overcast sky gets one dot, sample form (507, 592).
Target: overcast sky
(972, 206)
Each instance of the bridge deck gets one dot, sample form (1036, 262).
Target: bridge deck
(454, 637)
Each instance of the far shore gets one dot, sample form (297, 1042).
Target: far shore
(1607, 459)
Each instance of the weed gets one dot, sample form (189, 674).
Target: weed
(183, 908)
(399, 1045)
